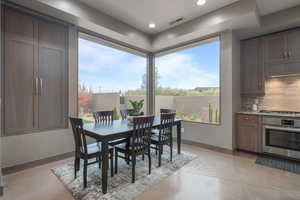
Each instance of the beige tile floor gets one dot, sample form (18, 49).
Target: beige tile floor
(212, 176)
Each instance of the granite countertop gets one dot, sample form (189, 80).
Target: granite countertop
(268, 114)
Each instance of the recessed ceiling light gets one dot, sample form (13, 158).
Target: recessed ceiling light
(201, 2)
(152, 25)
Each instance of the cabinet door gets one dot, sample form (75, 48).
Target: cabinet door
(293, 45)
(248, 133)
(247, 138)
(252, 71)
(52, 73)
(19, 84)
(275, 48)
(276, 69)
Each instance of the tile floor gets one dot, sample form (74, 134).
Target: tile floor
(212, 176)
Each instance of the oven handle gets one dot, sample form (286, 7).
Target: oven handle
(282, 128)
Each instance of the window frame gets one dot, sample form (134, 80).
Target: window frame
(93, 37)
(189, 45)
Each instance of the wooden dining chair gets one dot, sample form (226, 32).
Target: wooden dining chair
(107, 117)
(164, 136)
(139, 144)
(124, 113)
(86, 151)
(103, 116)
(167, 110)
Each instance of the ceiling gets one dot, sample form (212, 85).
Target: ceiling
(139, 13)
(270, 6)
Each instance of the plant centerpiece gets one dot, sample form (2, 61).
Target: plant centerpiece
(136, 110)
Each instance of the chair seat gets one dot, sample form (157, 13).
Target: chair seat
(122, 147)
(117, 142)
(155, 139)
(155, 131)
(95, 148)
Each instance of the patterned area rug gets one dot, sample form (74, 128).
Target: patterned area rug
(286, 165)
(120, 186)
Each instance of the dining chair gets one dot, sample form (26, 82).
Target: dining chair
(107, 117)
(167, 110)
(124, 113)
(164, 136)
(139, 144)
(103, 116)
(86, 151)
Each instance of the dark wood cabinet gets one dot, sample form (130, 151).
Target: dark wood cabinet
(282, 53)
(275, 48)
(252, 70)
(35, 74)
(248, 135)
(52, 76)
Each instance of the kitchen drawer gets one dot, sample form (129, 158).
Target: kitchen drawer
(248, 120)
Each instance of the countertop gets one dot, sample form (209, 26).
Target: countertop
(268, 114)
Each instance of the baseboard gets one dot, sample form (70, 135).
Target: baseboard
(207, 146)
(17, 168)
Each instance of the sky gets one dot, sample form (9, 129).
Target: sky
(105, 69)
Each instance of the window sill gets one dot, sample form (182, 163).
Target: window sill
(204, 123)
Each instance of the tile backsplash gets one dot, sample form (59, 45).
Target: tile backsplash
(280, 94)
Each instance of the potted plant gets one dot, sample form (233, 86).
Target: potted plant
(136, 110)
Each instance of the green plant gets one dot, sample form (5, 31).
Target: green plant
(137, 107)
(193, 117)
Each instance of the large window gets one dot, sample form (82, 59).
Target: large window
(189, 81)
(108, 79)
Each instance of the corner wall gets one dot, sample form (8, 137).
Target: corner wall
(221, 135)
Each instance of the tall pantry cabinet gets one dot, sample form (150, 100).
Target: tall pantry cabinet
(34, 73)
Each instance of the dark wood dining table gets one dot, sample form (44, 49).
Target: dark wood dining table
(118, 129)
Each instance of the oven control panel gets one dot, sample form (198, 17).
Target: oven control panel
(282, 122)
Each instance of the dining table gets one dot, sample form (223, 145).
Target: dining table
(106, 132)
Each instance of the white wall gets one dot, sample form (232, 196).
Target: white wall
(221, 135)
(238, 15)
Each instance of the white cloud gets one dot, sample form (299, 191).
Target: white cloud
(181, 70)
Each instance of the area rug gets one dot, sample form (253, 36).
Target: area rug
(286, 165)
(120, 186)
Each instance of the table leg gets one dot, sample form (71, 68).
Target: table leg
(179, 137)
(104, 148)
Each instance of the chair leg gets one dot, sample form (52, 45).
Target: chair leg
(159, 154)
(156, 149)
(127, 159)
(85, 173)
(133, 168)
(171, 150)
(76, 167)
(149, 157)
(112, 164)
(100, 160)
(143, 157)
(116, 162)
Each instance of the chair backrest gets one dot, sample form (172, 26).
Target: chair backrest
(103, 116)
(166, 126)
(125, 112)
(79, 136)
(141, 134)
(167, 111)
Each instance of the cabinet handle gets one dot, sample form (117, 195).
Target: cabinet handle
(36, 86)
(289, 54)
(41, 86)
(285, 55)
